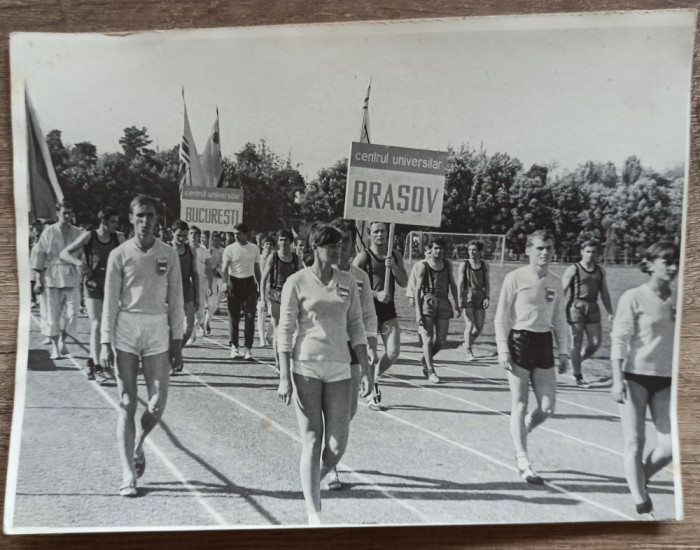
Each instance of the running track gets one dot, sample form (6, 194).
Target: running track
(226, 453)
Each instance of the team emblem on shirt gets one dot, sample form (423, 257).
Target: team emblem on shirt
(343, 292)
(549, 294)
(162, 265)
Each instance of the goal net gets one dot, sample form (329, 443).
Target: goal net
(456, 245)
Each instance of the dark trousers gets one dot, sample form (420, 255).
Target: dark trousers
(242, 293)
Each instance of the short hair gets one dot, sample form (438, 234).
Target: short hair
(664, 249)
(320, 234)
(206, 232)
(106, 213)
(179, 225)
(590, 242)
(343, 225)
(285, 234)
(478, 244)
(241, 227)
(437, 241)
(143, 200)
(300, 240)
(269, 239)
(370, 224)
(544, 234)
(65, 204)
(195, 228)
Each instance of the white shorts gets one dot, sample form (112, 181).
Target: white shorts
(325, 371)
(61, 311)
(142, 334)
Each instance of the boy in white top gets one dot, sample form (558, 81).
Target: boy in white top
(217, 281)
(202, 258)
(241, 266)
(530, 308)
(60, 279)
(143, 305)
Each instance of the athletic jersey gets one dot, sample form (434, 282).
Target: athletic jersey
(474, 279)
(186, 260)
(375, 268)
(585, 285)
(437, 281)
(143, 282)
(57, 273)
(369, 313)
(317, 320)
(281, 270)
(528, 302)
(96, 255)
(643, 332)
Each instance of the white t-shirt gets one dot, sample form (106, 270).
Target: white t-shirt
(241, 259)
(201, 256)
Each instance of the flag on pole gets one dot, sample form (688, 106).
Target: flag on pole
(44, 191)
(190, 169)
(364, 138)
(212, 165)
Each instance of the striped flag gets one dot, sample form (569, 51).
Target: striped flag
(212, 165)
(364, 138)
(43, 189)
(190, 169)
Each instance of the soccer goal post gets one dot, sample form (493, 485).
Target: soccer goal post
(457, 245)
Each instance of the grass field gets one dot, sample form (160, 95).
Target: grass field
(619, 279)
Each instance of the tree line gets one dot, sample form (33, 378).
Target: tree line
(625, 208)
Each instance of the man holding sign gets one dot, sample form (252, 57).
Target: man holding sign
(380, 262)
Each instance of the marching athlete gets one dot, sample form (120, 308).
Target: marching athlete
(473, 289)
(583, 282)
(530, 309)
(95, 247)
(143, 306)
(434, 281)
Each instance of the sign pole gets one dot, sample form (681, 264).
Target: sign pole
(389, 254)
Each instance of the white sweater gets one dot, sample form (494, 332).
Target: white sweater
(529, 303)
(325, 317)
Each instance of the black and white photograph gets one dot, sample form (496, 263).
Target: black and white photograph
(410, 272)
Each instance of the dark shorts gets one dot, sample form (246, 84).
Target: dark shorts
(473, 298)
(353, 356)
(651, 383)
(436, 307)
(531, 350)
(385, 312)
(94, 290)
(582, 311)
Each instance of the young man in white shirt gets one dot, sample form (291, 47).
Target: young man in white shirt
(241, 266)
(530, 309)
(202, 258)
(143, 306)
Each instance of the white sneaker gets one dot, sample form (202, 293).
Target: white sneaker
(235, 354)
(248, 355)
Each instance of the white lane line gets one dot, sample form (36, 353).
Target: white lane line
(503, 382)
(154, 448)
(491, 459)
(498, 462)
(478, 405)
(364, 479)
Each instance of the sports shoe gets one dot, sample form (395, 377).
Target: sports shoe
(90, 369)
(248, 356)
(373, 403)
(129, 490)
(104, 374)
(235, 354)
(333, 483)
(433, 378)
(581, 383)
(468, 352)
(529, 475)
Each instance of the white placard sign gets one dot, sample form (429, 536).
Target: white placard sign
(211, 208)
(395, 184)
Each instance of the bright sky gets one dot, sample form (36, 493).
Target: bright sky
(545, 89)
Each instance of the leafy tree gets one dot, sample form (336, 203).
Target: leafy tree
(324, 198)
(531, 207)
(135, 142)
(631, 170)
